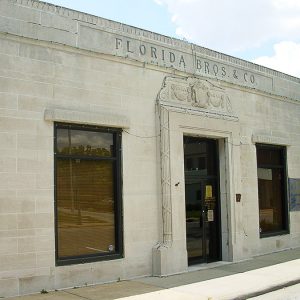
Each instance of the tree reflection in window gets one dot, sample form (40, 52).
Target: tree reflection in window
(86, 143)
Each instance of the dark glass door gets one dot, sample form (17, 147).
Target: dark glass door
(201, 199)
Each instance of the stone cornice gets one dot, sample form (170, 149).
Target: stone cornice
(46, 22)
(103, 23)
(151, 36)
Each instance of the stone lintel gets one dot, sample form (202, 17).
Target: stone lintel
(270, 139)
(89, 118)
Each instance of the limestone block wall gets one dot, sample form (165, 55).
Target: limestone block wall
(276, 120)
(35, 77)
(68, 64)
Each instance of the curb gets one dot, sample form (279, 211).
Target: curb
(268, 290)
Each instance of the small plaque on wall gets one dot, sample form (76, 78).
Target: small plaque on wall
(294, 193)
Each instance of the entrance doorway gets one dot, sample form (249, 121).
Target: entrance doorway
(202, 200)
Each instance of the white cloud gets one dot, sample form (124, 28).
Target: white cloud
(285, 59)
(283, 4)
(234, 25)
(158, 2)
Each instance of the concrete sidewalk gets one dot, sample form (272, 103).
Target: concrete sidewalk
(220, 280)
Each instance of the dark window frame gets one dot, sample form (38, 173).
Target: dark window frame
(118, 205)
(285, 209)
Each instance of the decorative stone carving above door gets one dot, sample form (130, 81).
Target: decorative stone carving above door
(195, 92)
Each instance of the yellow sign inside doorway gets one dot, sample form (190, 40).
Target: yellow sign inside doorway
(208, 191)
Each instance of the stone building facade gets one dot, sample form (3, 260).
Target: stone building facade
(125, 153)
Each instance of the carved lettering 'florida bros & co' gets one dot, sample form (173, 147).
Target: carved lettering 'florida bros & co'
(180, 60)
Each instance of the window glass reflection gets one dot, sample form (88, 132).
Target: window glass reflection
(63, 141)
(270, 204)
(83, 142)
(271, 187)
(199, 156)
(267, 156)
(85, 207)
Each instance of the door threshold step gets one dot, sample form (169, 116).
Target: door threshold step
(204, 266)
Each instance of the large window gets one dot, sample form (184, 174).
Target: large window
(88, 197)
(271, 175)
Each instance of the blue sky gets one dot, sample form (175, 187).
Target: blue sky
(266, 32)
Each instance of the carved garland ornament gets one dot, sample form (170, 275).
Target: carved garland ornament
(196, 92)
